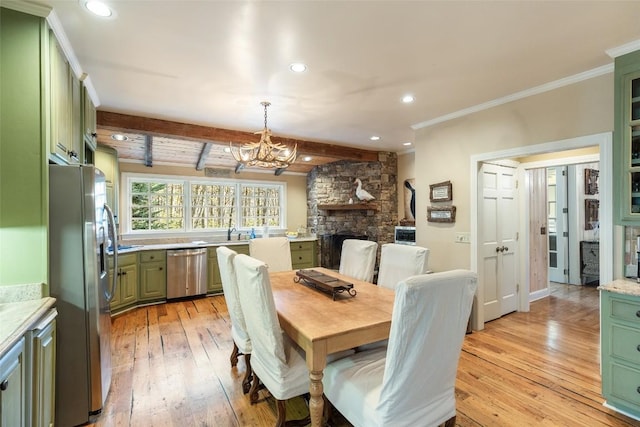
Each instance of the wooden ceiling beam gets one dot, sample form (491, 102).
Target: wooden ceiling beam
(148, 151)
(202, 160)
(164, 128)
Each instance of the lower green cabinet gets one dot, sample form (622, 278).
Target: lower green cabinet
(13, 386)
(153, 276)
(303, 254)
(126, 292)
(43, 384)
(214, 283)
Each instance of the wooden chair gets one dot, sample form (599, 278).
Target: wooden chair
(358, 259)
(398, 262)
(412, 381)
(277, 362)
(274, 251)
(239, 334)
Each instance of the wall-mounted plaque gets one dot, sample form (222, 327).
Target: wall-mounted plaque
(441, 192)
(441, 214)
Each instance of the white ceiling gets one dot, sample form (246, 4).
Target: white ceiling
(213, 62)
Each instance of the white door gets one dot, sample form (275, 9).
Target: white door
(557, 224)
(499, 240)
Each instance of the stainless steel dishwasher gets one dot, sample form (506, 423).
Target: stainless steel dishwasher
(186, 272)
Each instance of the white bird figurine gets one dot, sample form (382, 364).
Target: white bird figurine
(362, 194)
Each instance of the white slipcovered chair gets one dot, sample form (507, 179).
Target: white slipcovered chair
(274, 251)
(358, 259)
(239, 334)
(398, 262)
(412, 381)
(277, 362)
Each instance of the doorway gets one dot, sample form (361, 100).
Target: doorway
(604, 143)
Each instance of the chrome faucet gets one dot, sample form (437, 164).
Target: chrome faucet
(229, 231)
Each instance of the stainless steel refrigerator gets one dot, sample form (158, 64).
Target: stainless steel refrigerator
(80, 229)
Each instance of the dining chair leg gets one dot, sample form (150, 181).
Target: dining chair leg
(253, 392)
(451, 422)
(281, 413)
(248, 374)
(234, 355)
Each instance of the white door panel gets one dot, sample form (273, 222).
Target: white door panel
(499, 219)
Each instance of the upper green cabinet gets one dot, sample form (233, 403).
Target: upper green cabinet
(106, 159)
(627, 138)
(62, 139)
(88, 120)
(24, 148)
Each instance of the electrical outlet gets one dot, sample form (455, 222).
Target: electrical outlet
(464, 237)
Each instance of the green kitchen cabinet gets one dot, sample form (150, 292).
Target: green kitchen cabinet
(13, 387)
(303, 254)
(627, 139)
(77, 141)
(62, 144)
(43, 374)
(620, 351)
(153, 276)
(126, 292)
(89, 126)
(24, 148)
(214, 283)
(106, 159)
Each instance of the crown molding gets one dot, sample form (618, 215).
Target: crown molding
(624, 49)
(586, 75)
(36, 9)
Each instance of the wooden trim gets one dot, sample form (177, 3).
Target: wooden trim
(350, 207)
(156, 127)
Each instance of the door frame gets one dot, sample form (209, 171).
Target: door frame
(604, 141)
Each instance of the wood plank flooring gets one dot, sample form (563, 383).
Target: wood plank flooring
(171, 368)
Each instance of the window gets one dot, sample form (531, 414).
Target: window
(156, 205)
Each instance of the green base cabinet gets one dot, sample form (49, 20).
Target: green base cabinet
(303, 254)
(153, 276)
(620, 347)
(126, 292)
(43, 384)
(214, 283)
(13, 404)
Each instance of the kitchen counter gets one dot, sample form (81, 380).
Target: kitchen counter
(622, 286)
(16, 318)
(196, 244)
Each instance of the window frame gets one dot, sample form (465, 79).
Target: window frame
(187, 181)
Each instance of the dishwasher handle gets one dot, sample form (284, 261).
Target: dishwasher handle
(187, 252)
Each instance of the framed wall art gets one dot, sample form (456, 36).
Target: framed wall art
(591, 181)
(591, 216)
(441, 214)
(441, 192)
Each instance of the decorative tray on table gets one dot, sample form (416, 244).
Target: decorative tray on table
(324, 282)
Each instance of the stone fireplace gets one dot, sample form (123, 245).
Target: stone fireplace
(329, 188)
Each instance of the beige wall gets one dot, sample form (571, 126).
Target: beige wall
(443, 151)
(296, 186)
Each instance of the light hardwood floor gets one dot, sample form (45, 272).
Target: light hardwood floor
(171, 368)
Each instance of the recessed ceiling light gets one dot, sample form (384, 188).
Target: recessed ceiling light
(375, 138)
(119, 137)
(406, 144)
(408, 99)
(307, 158)
(98, 8)
(298, 67)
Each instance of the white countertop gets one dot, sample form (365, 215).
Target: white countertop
(16, 318)
(622, 286)
(197, 244)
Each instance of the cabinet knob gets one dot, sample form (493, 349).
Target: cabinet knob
(638, 313)
(151, 257)
(161, 270)
(638, 347)
(4, 385)
(638, 389)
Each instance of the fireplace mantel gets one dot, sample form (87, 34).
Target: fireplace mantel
(350, 207)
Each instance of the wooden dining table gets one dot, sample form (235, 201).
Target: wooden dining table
(322, 326)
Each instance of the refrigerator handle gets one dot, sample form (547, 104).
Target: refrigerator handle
(113, 235)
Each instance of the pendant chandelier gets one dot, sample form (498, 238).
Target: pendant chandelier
(265, 153)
